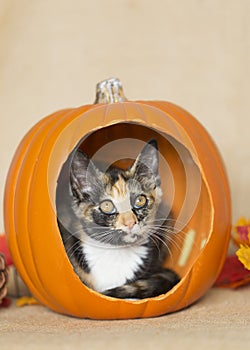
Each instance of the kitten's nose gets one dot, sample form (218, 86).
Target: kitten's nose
(129, 220)
(130, 223)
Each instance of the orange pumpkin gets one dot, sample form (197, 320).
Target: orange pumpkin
(194, 184)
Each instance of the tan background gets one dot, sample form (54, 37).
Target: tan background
(195, 53)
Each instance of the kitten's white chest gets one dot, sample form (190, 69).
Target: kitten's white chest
(111, 266)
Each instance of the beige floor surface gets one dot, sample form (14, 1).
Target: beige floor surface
(220, 320)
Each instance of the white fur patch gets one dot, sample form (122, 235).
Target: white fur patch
(111, 266)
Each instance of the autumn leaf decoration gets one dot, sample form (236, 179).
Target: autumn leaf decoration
(241, 236)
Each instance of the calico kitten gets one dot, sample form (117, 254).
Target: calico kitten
(111, 228)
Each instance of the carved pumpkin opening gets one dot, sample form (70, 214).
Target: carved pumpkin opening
(183, 185)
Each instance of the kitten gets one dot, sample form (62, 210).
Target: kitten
(111, 228)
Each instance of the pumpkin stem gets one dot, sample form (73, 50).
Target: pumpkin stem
(109, 91)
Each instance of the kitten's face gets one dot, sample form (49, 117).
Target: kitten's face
(118, 207)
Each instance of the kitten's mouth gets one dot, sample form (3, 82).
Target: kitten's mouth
(134, 238)
(117, 238)
(131, 238)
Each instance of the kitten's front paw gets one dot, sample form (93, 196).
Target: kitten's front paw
(156, 284)
(124, 292)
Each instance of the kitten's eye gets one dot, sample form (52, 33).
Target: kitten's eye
(140, 201)
(107, 207)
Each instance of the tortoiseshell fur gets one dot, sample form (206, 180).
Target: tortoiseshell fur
(119, 253)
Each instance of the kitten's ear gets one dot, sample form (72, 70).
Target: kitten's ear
(147, 162)
(82, 173)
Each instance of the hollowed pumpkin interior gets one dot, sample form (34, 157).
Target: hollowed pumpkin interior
(183, 185)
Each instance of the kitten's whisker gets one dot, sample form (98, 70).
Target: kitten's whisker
(175, 222)
(174, 243)
(172, 238)
(164, 244)
(72, 248)
(156, 243)
(167, 238)
(166, 221)
(178, 236)
(168, 229)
